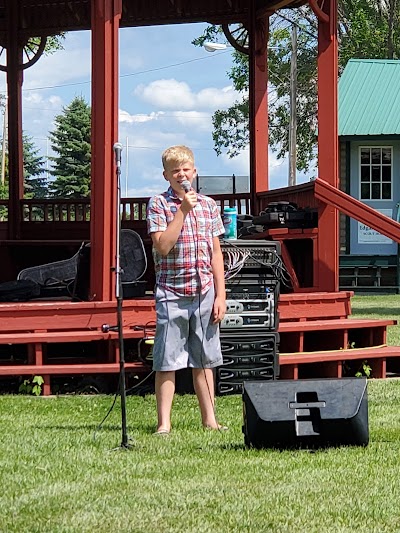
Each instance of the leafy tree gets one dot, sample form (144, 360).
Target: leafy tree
(53, 43)
(36, 185)
(366, 29)
(369, 29)
(71, 142)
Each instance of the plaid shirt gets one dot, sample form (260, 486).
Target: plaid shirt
(188, 264)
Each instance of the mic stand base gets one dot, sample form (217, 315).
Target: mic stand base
(123, 447)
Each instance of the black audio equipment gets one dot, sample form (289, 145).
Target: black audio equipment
(229, 387)
(244, 311)
(307, 413)
(249, 341)
(246, 372)
(245, 307)
(251, 320)
(260, 250)
(252, 288)
(246, 356)
(242, 345)
(259, 359)
(252, 259)
(287, 215)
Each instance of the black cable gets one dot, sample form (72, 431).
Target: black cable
(137, 385)
(109, 410)
(202, 354)
(277, 266)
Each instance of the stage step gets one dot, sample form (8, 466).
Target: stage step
(70, 369)
(332, 363)
(337, 324)
(63, 338)
(335, 334)
(314, 306)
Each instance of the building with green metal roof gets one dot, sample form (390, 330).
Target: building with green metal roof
(369, 98)
(369, 137)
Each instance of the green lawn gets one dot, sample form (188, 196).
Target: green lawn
(385, 306)
(57, 477)
(59, 474)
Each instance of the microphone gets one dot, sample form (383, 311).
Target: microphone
(186, 186)
(118, 150)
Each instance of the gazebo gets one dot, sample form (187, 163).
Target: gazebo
(304, 313)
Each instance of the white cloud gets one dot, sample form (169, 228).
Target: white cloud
(35, 100)
(166, 94)
(173, 94)
(212, 98)
(193, 120)
(60, 68)
(125, 116)
(240, 164)
(157, 113)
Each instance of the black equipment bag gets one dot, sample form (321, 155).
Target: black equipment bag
(20, 290)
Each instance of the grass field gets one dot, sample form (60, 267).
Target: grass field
(379, 306)
(58, 475)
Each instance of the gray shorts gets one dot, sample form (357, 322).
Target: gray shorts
(185, 335)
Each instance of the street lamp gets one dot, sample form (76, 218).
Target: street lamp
(214, 47)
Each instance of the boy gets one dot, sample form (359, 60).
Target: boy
(190, 287)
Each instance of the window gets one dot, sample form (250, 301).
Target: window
(376, 172)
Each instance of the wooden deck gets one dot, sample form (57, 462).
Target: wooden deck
(318, 337)
(53, 338)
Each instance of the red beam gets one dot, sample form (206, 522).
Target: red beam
(356, 209)
(328, 153)
(15, 143)
(258, 107)
(106, 15)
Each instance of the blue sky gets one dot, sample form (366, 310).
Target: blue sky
(169, 90)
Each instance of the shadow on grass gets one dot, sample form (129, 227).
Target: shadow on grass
(142, 428)
(79, 427)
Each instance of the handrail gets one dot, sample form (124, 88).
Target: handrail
(52, 210)
(72, 210)
(356, 209)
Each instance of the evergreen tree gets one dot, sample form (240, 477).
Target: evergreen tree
(35, 182)
(71, 142)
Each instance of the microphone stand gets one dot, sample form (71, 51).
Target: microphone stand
(119, 296)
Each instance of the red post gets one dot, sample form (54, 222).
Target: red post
(258, 106)
(15, 143)
(106, 15)
(328, 153)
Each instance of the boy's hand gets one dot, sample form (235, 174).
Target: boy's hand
(219, 310)
(189, 201)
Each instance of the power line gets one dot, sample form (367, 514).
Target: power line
(3, 91)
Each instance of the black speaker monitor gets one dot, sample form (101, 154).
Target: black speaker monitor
(305, 413)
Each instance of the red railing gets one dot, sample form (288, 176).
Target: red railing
(78, 210)
(134, 209)
(302, 195)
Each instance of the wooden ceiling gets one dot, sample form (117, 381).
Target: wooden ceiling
(48, 17)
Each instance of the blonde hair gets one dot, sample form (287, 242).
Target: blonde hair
(177, 154)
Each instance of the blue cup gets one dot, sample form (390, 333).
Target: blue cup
(230, 222)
